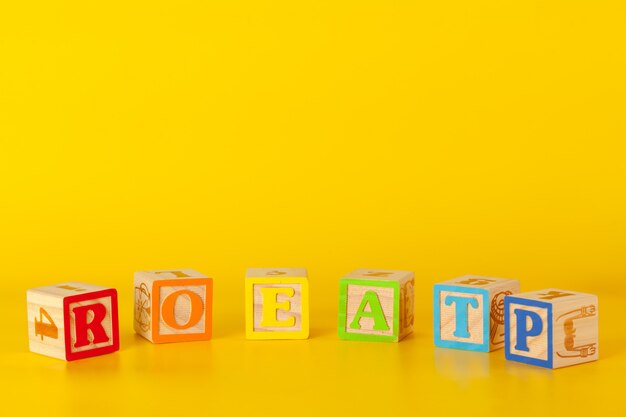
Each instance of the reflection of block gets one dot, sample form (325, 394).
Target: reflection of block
(173, 305)
(551, 328)
(376, 305)
(72, 320)
(469, 312)
(277, 303)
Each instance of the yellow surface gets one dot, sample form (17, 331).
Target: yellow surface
(443, 137)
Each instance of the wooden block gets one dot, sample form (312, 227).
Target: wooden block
(469, 312)
(277, 303)
(551, 328)
(376, 305)
(72, 320)
(173, 305)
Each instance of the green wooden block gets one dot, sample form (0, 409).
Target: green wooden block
(376, 305)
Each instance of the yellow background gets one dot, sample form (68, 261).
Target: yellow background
(443, 137)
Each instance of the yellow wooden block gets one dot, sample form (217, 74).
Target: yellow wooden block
(277, 303)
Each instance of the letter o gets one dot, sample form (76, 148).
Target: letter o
(195, 313)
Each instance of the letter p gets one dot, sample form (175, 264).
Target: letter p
(523, 331)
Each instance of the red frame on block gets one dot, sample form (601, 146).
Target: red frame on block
(115, 346)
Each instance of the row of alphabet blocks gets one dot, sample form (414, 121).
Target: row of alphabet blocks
(550, 328)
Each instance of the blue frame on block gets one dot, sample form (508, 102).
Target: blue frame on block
(478, 347)
(508, 300)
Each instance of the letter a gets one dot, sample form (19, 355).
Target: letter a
(376, 312)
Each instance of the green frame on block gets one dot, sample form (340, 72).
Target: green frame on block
(343, 309)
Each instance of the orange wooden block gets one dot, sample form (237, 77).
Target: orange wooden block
(173, 306)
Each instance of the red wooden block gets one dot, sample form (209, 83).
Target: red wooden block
(73, 320)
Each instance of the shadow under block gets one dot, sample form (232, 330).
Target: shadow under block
(469, 312)
(72, 320)
(173, 305)
(551, 328)
(277, 303)
(376, 305)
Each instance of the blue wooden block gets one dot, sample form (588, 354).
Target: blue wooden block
(469, 312)
(551, 328)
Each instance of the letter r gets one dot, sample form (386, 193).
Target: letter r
(83, 327)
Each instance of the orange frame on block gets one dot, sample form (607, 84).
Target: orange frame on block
(156, 308)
